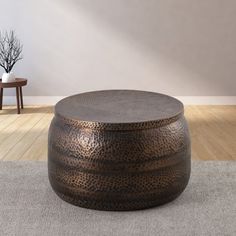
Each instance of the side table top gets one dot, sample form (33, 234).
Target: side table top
(119, 107)
(18, 82)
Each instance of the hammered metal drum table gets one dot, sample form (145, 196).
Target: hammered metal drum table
(119, 149)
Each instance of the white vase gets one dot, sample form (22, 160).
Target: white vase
(8, 77)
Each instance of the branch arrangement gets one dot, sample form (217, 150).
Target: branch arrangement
(10, 50)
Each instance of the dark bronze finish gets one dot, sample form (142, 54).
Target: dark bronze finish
(18, 83)
(119, 150)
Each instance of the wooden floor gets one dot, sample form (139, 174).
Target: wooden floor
(24, 136)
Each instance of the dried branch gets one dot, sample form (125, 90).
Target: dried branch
(10, 50)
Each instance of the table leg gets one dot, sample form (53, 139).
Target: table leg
(1, 97)
(17, 100)
(21, 98)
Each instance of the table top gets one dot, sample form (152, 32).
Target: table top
(119, 106)
(18, 82)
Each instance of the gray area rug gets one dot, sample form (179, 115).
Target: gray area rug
(28, 206)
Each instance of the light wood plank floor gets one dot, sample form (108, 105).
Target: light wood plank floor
(24, 136)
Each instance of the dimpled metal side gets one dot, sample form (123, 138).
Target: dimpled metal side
(119, 166)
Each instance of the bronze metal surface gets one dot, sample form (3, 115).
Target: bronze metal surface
(119, 150)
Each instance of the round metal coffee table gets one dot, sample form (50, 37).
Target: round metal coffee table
(119, 149)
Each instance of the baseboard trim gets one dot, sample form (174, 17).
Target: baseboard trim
(33, 100)
(187, 100)
(207, 100)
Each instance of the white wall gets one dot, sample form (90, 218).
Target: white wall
(176, 47)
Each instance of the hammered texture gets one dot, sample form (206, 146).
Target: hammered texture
(119, 167)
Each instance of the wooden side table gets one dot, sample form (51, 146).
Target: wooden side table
(18, 84)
